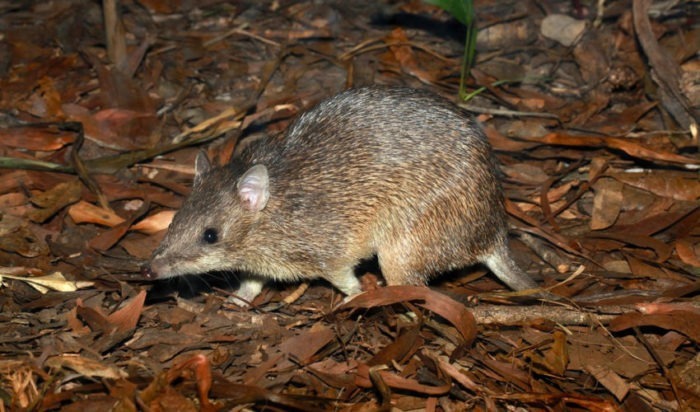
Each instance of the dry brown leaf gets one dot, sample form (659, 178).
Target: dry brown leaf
(394, 381)
(452, 311)
(628, 146)
(32, 138)
(642, 269)
(55, 281)
(607, 203)
(666, 70)
(86, 366)
(683, 321)
(526, 173)
(128, 316)
(84, 212)
(105, 240)
(527, 99)
(123, 320)
(608, 378)
(557, 357)
(303, 346)
(406, 344)
(142, 247)
(457, 375)
(55, 199)
(154, 223)
(134, 128)
(675, 185)
(685, 216)
(687, 249)
(503, 143)
(405, 56)
(662, 250)
(19, 236)
(196, 368)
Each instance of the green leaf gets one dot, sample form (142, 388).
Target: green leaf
(463, 11)
(459, 9)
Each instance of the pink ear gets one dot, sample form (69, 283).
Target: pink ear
(201, 166)
(254, 188)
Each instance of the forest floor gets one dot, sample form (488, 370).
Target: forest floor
(591, 107)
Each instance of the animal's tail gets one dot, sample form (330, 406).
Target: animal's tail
(504, 267)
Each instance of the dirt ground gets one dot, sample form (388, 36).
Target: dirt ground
(591, 107)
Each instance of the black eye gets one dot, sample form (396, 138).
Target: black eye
(211, 235)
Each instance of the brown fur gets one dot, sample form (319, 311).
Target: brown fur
(395, 172)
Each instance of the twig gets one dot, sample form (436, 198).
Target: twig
(365, 47)
(506, 112)
(79, 165)
(240, 31)
(114, 33)
(512, 315)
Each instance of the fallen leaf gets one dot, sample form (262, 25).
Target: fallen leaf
(86, 366)
(675, 185)
(84, 212)
(154, 223)
(36, 138)
(404, 55)
(607, 203)
(127, 317)
(685, 322)
(687, 250)
(610, 380)
(55, 199)
(55, 281)
(436, 302)
(562, 28)
(362, 379)
(628, 146)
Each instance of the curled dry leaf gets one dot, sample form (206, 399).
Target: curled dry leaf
(123, 320)
(404, 346)
(362, 379)
(196, 368)
(687, 250)
(127, 317)
(451, 310)
(55, 281)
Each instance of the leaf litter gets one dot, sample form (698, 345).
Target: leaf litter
(595, 127)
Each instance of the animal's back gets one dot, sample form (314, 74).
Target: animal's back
(390, 170)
